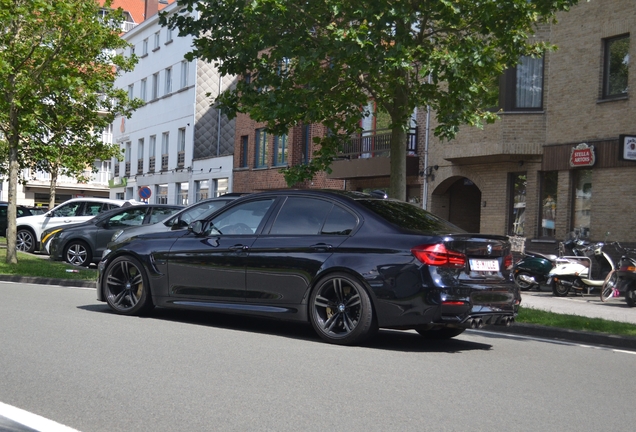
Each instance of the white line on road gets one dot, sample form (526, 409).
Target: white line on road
(31, 420)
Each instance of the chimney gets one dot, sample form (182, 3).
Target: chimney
(152, 8)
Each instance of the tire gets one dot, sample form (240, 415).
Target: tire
(340, 310)
(607, 290)
(25, 241)
(440, 333)
(78, 253)
(630, 295)
(126, 287)
(560, 290)
(523, 286)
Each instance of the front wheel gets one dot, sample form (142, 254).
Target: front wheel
(609, 286)
(523, 284)
(559, 289)
(340, 310)
(78, 253)
(25, 241)
(126, 287)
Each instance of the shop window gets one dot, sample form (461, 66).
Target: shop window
(161, 194)
(202, 190)
(182, 193)
(616, 65)
(549, 187)
(517, 207)
(220, 187)
(582, 202)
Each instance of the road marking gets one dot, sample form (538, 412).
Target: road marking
(31, 420)
(556, 341)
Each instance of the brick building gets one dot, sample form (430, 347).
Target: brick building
(513, 177)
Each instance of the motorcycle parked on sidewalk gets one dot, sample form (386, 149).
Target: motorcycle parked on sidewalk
(582, 273)
(532, 271)
(622, 280)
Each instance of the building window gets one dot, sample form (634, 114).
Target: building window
(127, 158)
(119, 195)
(184, 74)
(616, 65)
(549, 184)
(582, 202)
(140, 156)
(168, 35)
(202, 190)
(165, 145)
(305, 144)
(142, 91)
(157, 39)
(280, 150)
(131, 91)
(522, 86)
(182, 194)
(260, 149)
(161, 194)
(152, 144)
(144, 47)
(220, 187)
(155, 86)
(517, 208)
(181, 138)
(244, 144)
(168, 81)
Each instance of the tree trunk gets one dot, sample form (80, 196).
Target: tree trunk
(397, 188)
(52, 189)
(12, 255)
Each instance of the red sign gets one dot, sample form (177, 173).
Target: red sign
(582, 155)
(144, 192)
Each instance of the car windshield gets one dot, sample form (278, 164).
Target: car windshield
(410, 217)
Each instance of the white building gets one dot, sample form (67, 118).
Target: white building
(176, 145)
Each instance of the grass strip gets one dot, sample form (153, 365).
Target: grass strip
(34, 266)
(574, 322)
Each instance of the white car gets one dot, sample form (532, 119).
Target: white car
(29, 228)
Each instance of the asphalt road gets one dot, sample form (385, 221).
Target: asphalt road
(65, 357)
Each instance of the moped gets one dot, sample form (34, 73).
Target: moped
(622, 280)
(582, 273)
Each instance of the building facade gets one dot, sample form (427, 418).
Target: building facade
(176, 149)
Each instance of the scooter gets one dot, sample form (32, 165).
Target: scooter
(581, 273)
(532, 271)
(623, 279)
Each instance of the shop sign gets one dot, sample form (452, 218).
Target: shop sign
(628, 147)
(582, 156)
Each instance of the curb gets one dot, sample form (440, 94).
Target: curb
(49, 281)
(579, 336)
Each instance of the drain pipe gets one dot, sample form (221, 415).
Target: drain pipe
(426, 142)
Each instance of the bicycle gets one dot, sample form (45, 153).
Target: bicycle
(610, 285)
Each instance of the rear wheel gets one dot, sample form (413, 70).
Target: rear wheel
(25, 241)
(440, 332)
(521, 283)
(340, 310)
(607, 290)
(78, 253)
(559, 289)
(126, 287)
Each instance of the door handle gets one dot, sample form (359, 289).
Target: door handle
(322, 246)
(238, 247)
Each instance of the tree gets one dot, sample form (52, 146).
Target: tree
(322, 61)
(52, 54)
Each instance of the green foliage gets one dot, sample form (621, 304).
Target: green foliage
(321, 61)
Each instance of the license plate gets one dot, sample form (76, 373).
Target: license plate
(484, 265)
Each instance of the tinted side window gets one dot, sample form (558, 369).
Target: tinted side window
(92, 209)
(67, 210)
(301, 216)
(339, 222)
(159, 214)
(132, 217)
(200, 211)
(244, 218)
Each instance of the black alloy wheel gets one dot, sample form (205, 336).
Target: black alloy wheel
(78, 253)
(341, 310)
(559, 289)
(522, 284)
(439, 332)
(25, 241)
(126, 287)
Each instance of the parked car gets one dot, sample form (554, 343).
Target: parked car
(29, 228)
(181, 220)
(82, 244)
(20, 212)
(347, 262)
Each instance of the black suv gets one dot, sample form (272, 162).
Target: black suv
(21, 211)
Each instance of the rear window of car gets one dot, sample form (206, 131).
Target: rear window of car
(410, 217)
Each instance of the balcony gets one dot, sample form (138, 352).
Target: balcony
(151, 164)
(164, 162)
(368, 155)
(127, 172)
(181, 159)
(140, 166)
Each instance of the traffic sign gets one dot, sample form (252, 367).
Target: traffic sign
(144, 192)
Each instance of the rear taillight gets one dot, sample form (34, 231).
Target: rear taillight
(508, 262)
(437, 255)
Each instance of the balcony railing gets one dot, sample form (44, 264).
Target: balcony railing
(140, 166)
(164, 162)
(127, 169)
(376, 143)
(181, 159)
(151, 164)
